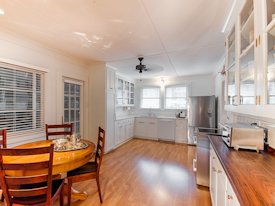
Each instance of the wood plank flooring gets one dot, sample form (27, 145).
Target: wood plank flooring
(146, 173)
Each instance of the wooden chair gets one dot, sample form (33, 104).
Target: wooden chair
(89, 170)
(30, 190)
(3, 141)
(51, 130)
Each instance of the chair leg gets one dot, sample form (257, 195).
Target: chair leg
(2, 197)
(69, 192)
(61, 198)
(98, 188)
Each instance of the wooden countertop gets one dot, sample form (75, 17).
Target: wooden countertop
(252, 175)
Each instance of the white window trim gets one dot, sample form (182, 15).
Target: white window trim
(11, 64)
(176, 85)
(160, 97)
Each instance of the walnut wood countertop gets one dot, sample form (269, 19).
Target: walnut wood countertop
(252, 175)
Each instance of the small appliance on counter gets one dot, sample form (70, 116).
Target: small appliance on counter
(243, 136)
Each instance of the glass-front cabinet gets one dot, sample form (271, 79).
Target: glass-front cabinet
(125, 93)
(270, 36)
(252, 89)
(231, 67)
(247, 57)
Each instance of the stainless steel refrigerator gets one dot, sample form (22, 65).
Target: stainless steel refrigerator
(201, 113)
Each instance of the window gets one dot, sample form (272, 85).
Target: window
(150, 98)
(72, 100)
(21, 99)
(175, 97)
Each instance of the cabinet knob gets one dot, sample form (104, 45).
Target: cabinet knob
(219, 171)
(214, 169)
(229, 197)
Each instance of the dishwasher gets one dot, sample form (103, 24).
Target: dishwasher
(201, 162)
(166, 131)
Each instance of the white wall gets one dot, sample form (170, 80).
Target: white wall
(58, 65)
(201, 85)
(97, 98)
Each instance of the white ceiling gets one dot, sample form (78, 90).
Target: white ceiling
(176, 37)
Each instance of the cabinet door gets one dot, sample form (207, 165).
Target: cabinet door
(181, 131)
(213, 177)
(152, 129)
(110, 123)
(140, 127)
(221, 182)
(231, 199)
(111, 80)
(117, 133)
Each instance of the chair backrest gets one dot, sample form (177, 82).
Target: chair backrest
(3, 141)
(100, 147)
(12, 185)
(54, 130)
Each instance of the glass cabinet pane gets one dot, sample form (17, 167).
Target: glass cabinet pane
(270, 7)
(247, 78)
(231, 86)
(231, 48)
(247, 27)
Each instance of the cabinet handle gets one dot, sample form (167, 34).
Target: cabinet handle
(214, 169)
(213, 158)
(219, 171)
(141, 122)
(230, 197)
(152, 123)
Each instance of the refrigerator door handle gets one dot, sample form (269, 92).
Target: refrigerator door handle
(195, 139)
(194, 165)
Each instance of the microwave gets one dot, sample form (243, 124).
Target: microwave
(245, 136)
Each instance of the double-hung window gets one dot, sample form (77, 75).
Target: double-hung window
(150, 98)
(175, 97)
(21, 98)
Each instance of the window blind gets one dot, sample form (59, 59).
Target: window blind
(21, 99)
(175, 97)
(150, 98)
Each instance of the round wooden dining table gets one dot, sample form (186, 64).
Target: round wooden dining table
(62, 161)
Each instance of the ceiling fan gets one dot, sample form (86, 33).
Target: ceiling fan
(141, 67)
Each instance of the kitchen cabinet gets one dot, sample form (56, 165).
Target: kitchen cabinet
(181, 131)
(146, 128)
(166, 129)
(231, 199)
(125, 92)
(221, 191)
(250, 60)
(110, 110)
(111, 80)
(124, 130)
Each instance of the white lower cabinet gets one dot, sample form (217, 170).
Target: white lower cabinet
(146, 128)
(231, 199)
(124, 130)
(181, 131)
(221, 191)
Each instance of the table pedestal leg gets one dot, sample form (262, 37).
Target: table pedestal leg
(76, 194)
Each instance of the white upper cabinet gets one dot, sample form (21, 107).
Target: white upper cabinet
(269, 37)
(250, 60)
(125, 92)
(247, 55)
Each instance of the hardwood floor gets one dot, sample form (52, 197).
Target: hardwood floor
(146, 173)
